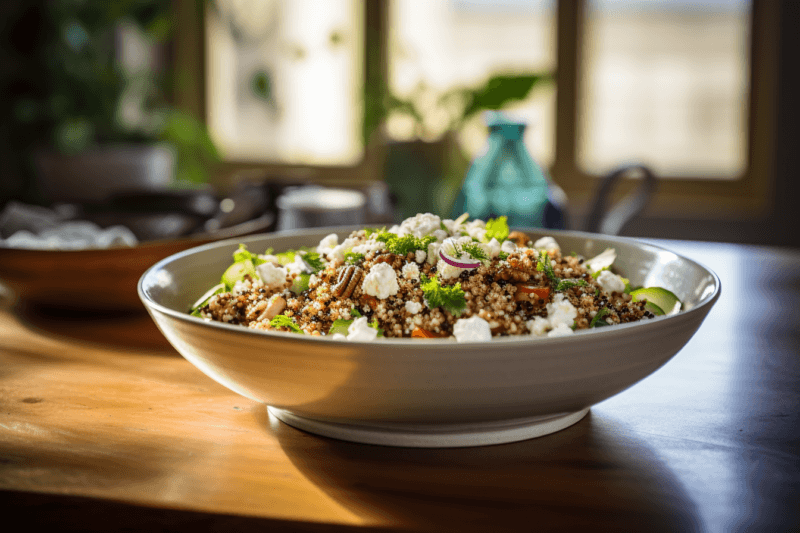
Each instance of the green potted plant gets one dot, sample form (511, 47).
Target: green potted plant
(426, 172)
(88, 98)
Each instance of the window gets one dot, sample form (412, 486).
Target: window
(665, 82)
(283, 80)
(684, 86)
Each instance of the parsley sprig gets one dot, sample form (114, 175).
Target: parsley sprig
(283, 321)
(448, 297)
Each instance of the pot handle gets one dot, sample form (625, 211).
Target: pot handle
(611, 222)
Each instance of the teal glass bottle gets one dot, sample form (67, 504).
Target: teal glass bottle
(504, 180)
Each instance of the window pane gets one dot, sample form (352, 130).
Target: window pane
(284, 80)
(666, 82)
(443, 44)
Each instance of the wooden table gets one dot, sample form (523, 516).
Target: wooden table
(105, 427)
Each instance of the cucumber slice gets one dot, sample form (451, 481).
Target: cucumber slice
(340, 326)
(653, 308)
(237, 272)
(659, 297)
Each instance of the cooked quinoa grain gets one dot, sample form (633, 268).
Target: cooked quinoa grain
(419, 279)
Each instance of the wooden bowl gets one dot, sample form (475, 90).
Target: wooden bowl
(98, 279)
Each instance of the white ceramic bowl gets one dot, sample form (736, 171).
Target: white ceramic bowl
(428, 392)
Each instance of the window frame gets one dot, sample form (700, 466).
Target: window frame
(686, 198)
(677, 197)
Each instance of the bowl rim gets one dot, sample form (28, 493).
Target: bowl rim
(703, 306)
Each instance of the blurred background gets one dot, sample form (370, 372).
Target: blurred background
(134, 105)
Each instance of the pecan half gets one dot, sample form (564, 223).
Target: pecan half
(348, 280)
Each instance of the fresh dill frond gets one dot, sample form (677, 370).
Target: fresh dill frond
(475, 251)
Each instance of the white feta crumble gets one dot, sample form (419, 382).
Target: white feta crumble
(610, 282)
(369, 246)
(492, 248)
(338, 337)
(420, 255)
(561, 330)
(298, 266)
(413, 307)
(419, 226)
(547, 243)
(327, 244)
(410, 271)
(448, 271)
(381, 281)
(474, 329)
(508, 247)
(271, 275)
(476, 229)
(560, 318)
(360, 330)
(238, 287)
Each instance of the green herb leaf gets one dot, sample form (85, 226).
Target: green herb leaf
(374, 325)
(356, 313)
(502, 256)
(352, 258)
(243, 254)
(313, 260)
(405, 244)
(598, 321)
(475, 251)
(442, 226)
(448, 297)
(283, 321)
(497, 228)
(564, 284)
(544, 266)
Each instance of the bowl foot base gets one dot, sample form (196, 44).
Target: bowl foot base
(427, 436)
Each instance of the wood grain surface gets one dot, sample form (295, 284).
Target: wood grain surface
(104, 427)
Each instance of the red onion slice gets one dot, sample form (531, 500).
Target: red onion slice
(458, 262)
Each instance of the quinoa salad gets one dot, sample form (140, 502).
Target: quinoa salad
(429, 277)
